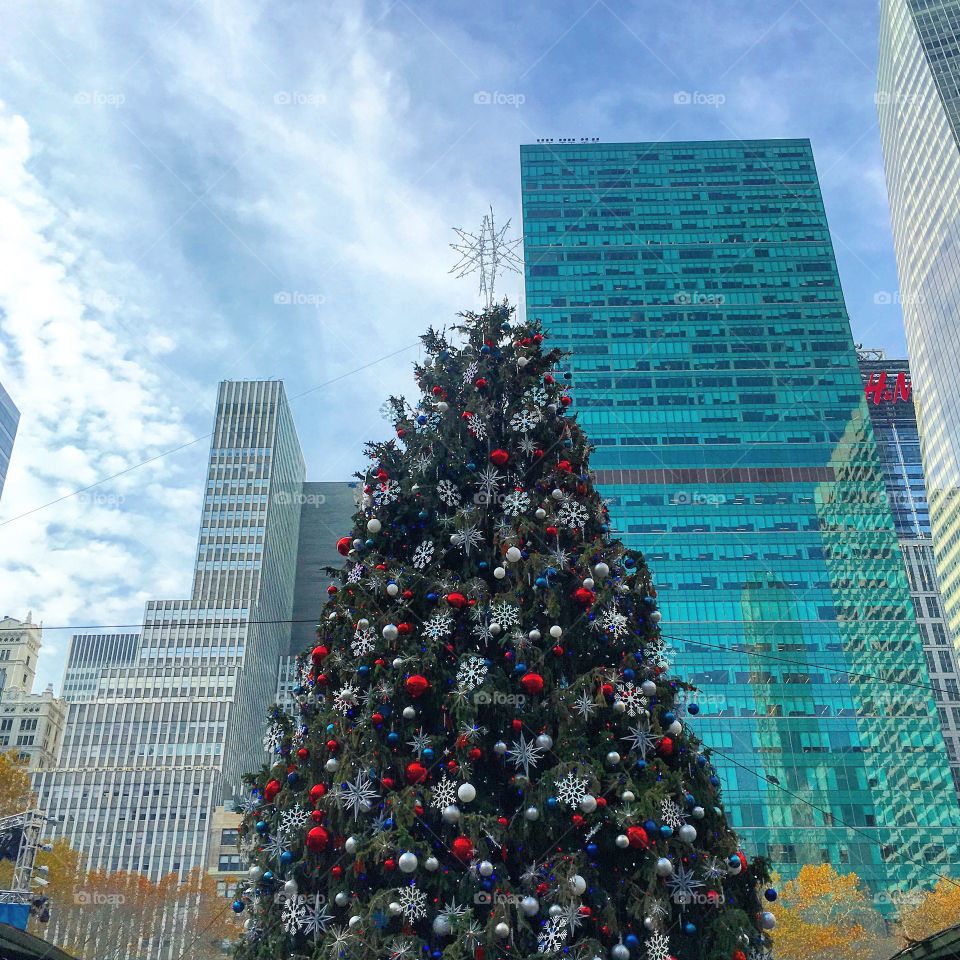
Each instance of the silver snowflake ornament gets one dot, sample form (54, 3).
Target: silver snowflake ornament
(413, 902)
(423, 554)
(525, 754)
(357, 795)
(448, 493)
(471, 672)
(571, 789)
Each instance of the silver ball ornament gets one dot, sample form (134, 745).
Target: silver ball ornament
(502, 931)
(390, 632)
(431, 864)
(767, 920)
(648, 688)
(467, 792)
(451, 814)
(351, 844)
(579, 884)
(409, 713)
(620, 952)
(622, 841)
(531, 814)
(601, 570)
(688, 833)
(530, 906)
(374, 525)
(588, 803)
(664, 867)
(545, 741)
(514, 554)
(485, 869)
(613, 758)
(407, 862)
(499, 572)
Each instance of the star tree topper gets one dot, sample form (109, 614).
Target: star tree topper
(489, 252)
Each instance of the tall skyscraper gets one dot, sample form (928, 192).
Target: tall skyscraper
(9, 418)
(889, 394)
(168, 736)
(918, 99)
(715, 371)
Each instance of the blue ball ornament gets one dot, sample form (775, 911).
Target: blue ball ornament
(666, 830)
(641, 765)
(649, 826)
(770, 894)
(393, 738)
(261, 826)
(268, 877)
(552, 802)
(471, 466)
(629, 674)
(668, 718)
(693, 709)
(631, 942)
(238, 906)
(286, 857)
(541, 582)
(689, 929)
(592, 849)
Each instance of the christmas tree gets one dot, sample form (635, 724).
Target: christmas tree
(490, 758)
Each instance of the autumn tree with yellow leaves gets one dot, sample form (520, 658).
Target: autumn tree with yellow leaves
(936, 910)
(825, 915)
(117, 915)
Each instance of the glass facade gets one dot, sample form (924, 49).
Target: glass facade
(696, 286)
(177, 717)
(9, 418)
(888, 390)
(918, 100)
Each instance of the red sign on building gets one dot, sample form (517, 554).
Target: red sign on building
(881, 388)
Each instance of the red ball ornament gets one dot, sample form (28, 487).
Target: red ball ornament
(416, 685)
(389, 864)
(538, 453)
(564, 466)
(317, 791)
(475, 754)
(418, 810)
(271, 790)
(322, 679)
(532, 683)
(481, 383)
(462, 849)
(607, 689)
(565, 401)
(407, 594)
(638, 838)
(453, 766)
(317, 839)
(319, 653)
(331, 590)
(337, 871)
(416, 773)
(344, 545)
(405, 628)
(387, 783)
(437, 391)
(538, 338)
(665, 747)
(548, 378)
(601, 802)
(499, 457)
(557, 651)
(333, 746)
(303, 754)
(551, 531)
(317, 815)
(457, 600)
(738, 955)
(517, 725)
(584, 596)
(377, 719)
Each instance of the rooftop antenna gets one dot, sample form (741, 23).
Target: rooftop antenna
(489, 252)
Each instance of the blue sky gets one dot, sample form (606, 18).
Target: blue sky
(197, 191)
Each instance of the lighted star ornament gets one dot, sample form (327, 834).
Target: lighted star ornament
(488, 252)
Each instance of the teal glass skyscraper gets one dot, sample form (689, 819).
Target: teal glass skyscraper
(714, 369)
